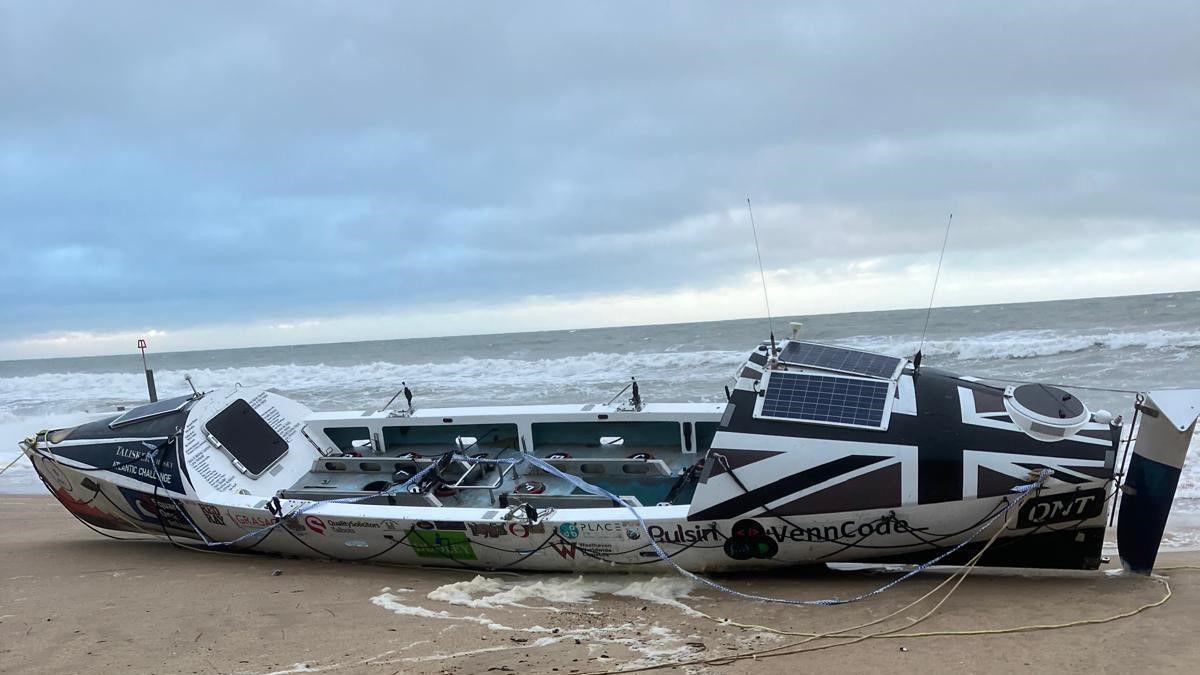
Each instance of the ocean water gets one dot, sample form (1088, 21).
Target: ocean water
(1130, 343)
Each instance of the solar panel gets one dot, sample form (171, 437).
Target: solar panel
(826, 398)
(840, 359)
(142, 412)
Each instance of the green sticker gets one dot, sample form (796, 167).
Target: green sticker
(442, 544)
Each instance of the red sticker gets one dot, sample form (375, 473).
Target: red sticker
(315, 524)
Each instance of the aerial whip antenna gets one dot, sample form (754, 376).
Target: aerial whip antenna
(763, 275)
(932, 293)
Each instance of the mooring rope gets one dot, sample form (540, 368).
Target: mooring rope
(9, 465)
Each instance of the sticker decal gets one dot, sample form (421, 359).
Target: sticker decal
(157, 512)
(212, 514)
(450, 544)
(90, 514)
(523, 530)
(1061, 508)
(487, 530)
(686, 536)
(131, 459)
(749, 540)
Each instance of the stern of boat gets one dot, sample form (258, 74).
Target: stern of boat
(1168, 423)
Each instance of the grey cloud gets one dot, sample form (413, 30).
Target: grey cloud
(163, 160)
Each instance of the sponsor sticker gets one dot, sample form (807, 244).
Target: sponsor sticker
(350, 526)
(249, 522)
(749, 540)
(565, 549)
(449, 544)
(295, 526)
(487, 530)
(159, 512)
(132, 459)
(602, 531)
(568, 549)
(315, 524)
(685, 535)
(212, 514)
(523, 530)
(1061, 508)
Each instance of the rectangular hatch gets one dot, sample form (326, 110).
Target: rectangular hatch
(252, 444)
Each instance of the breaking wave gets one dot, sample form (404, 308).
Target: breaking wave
(691, 375)
(499, 380)
(1028, 344)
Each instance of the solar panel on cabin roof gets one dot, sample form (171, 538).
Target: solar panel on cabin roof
(822, 398)
(840, 359)
(167, 405)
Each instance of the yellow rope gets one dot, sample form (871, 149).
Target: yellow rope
(983, 631)
(961, 574)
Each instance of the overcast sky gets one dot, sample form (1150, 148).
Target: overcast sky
(240, 174)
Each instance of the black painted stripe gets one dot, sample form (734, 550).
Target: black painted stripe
(736, 459)
(937, 431)
(736, 506)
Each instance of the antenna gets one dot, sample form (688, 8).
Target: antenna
(932, 293)
(763, 275)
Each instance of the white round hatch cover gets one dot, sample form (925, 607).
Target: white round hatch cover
(1044, 411)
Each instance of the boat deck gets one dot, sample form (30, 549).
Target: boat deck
(646, 473)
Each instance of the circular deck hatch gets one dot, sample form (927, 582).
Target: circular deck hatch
(1044, 411)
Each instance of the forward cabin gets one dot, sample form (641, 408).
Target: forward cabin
(816, 453)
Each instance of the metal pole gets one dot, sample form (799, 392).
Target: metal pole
(149, 373)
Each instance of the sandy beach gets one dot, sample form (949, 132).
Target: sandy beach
(72, 600)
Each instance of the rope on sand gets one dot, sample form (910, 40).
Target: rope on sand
(849, 636)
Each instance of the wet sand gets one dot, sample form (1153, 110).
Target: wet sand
(71, 600)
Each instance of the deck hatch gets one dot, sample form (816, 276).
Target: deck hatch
(246, 436)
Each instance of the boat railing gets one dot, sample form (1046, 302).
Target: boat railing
(364, 497)
(601, 465)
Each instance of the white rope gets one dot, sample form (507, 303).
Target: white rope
(9, 466)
